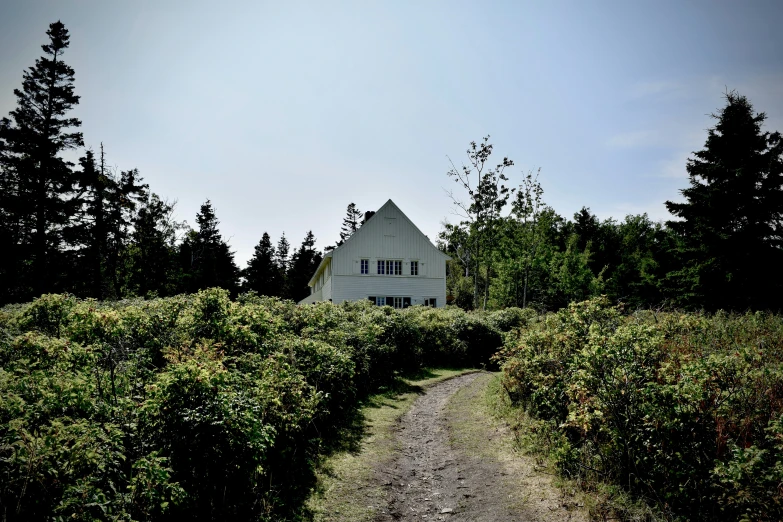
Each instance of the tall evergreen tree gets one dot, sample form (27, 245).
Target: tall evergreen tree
(108, 207)
(124, 200)
(152, 268)
(730, 222)
(15, 275)
(262, 274)
(304, 262)
(41, 181)
(282, 262)
(208, 261)
(351, 222)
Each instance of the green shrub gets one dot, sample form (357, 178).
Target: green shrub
(198, 407)
(682, 410)
(47, 314)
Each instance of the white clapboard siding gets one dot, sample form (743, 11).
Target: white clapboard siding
(352, 288)
(327, 290)
(389, 234)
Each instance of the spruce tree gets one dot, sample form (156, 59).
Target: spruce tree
(152, 267)
(282, 263)
(351, 222)
(304, 262)
(124, 200)
(40, 180)
(262, 275)
(730, 223)
(108, 206)
(208, 258)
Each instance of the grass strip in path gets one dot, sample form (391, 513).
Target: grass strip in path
(346, 489)
(476, 427)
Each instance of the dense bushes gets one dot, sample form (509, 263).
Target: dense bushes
(197, 407)
(684, 410)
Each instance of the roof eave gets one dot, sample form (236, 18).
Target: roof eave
(320, 268)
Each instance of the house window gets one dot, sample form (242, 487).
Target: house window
(365, 266)
(430, 302)
(414, 268)
(389, 267)
(396, 302)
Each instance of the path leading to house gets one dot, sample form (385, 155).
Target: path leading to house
(435, 450)
(456, 462)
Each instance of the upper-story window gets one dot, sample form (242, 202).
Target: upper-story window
(414, 268)
(389, 267)
(365, 266)
(393, 267)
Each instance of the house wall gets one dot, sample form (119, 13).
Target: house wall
(389, 234)
(326, 291)
(355, 287)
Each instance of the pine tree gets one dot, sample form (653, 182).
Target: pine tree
(108, 207)
(123, 201)
(207, 258)
(40, 180)
(351, 222)
(730, 224)
(282, 263)
(15, 274)
(262, 274)
(152, 268)
(304, 262)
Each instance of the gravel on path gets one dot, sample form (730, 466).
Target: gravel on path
(430, 480)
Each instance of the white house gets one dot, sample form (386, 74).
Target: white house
(388, 261)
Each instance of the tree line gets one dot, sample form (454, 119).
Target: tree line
(96, 231)
(723, 249)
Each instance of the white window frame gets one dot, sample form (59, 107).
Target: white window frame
(364, 266)
(390, 267)
(414, 267)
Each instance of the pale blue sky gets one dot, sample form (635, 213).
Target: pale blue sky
(282, 113)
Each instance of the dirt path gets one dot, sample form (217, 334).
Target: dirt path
(441, 475)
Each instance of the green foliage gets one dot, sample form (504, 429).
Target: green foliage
(729, 223)
(199, 407)
(682, 410)
(47, 314)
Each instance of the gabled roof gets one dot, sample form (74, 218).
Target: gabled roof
(359, 231)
